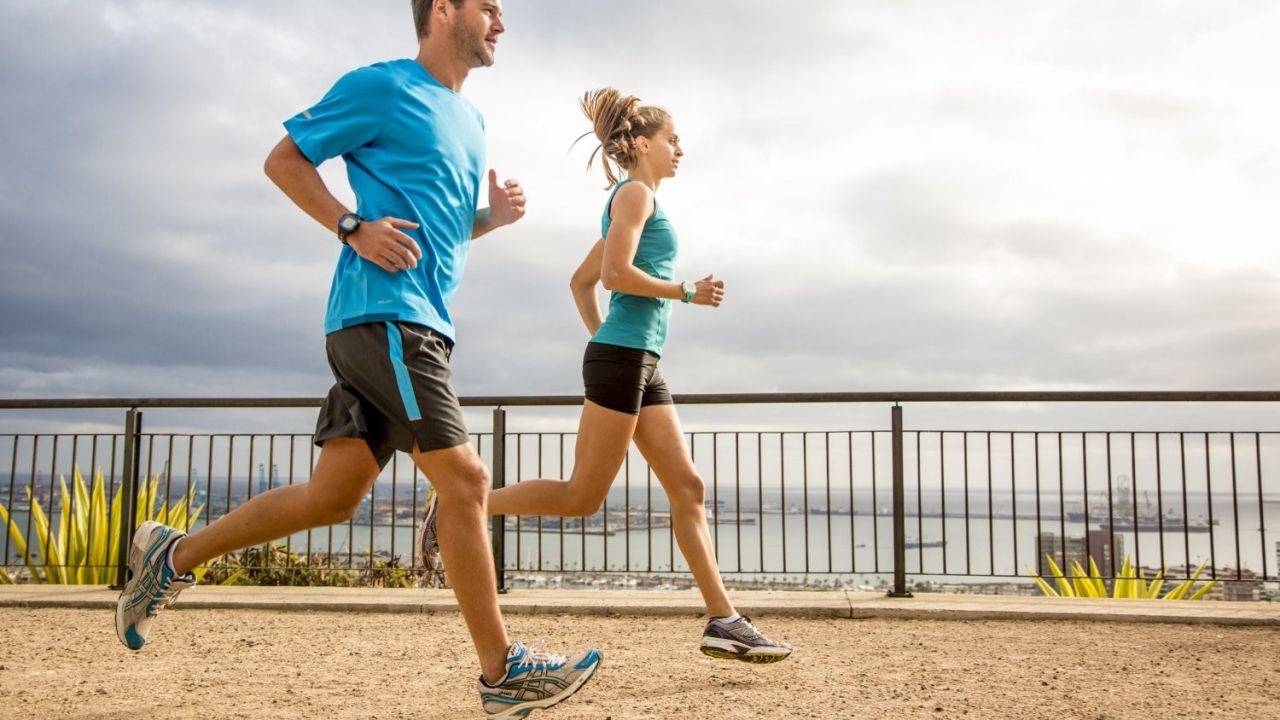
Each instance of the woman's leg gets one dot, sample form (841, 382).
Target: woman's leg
(661, 441)
(604, 436)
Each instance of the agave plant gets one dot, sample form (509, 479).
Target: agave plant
(1130, 583)
(83, 548)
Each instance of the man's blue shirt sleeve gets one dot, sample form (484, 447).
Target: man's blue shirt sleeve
(350, 115)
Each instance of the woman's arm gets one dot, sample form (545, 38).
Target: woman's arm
(583, 286)
(631, 207)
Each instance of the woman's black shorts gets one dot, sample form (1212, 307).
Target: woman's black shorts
(623, 379)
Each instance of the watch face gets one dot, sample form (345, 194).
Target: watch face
(348, 223)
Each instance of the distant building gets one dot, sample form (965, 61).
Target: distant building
(1097, 545)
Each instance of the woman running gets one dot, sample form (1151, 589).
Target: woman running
(626, 396)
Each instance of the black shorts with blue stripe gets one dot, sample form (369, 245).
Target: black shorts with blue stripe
(393, 390)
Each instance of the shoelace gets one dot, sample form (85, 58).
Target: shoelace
(166, 597)
(754, 634)
(535, 657)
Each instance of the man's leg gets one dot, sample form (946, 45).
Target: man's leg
(342, 476)
(161, 558)
(461, 482)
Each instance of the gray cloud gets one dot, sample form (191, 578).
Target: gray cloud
(899, 196)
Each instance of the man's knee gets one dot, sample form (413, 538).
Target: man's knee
(333, 508)
(460, 477)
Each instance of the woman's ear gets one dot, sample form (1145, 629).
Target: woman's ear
(642, 145)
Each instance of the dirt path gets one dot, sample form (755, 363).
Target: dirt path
(256, 664)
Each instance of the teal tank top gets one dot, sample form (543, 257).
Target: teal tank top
(634, 321)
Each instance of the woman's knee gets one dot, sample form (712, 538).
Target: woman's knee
(583, 505)
(688, 489)
(584, 494)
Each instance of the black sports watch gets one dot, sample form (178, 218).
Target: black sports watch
(348, 224)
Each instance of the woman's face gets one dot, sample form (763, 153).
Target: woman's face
(662, 152)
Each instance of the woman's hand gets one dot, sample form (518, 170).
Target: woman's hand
(710, 291)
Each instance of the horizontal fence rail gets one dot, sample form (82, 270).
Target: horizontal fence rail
(836, 507)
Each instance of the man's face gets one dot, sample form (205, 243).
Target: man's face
(476, 27)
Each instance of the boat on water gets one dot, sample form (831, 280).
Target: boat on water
(1119, 512)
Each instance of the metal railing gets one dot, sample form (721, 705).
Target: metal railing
(930, 504)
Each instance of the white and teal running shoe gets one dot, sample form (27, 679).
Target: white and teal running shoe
(535, 680)
(429, 544)
(740, 640)
(152, 583)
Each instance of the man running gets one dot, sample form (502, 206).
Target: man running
(414, 150)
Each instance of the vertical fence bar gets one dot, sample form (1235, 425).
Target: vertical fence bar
(1111, 509)
(968, 541)
(826, 449)
(853, 538)
(1013, 493)
(1235, 508)
(737, 494)
(129, 486)
(991, 515)
(1160, 502)
(875, 508)
(1262, 514)
(1208, 497)
(1186, 513)
(13, 476)
(942, 484)
(804, 485)
(499, 527)
(919, 510)
(899, 511)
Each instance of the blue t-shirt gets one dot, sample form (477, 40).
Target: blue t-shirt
(635, 321)
(414, 150)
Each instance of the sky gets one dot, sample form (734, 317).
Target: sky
(916, 195)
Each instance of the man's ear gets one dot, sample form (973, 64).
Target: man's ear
(441, 8)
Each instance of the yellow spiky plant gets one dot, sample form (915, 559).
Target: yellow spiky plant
(1130, 583)
(83, 548)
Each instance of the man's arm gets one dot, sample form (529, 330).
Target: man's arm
(506, 205)
(378, 241)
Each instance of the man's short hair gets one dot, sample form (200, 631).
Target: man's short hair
(422, 14)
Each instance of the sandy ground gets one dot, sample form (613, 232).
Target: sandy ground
(257, 664)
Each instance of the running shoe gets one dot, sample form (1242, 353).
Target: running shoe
(535, 680)
(740, 640)
(429, 544)
(152, 583)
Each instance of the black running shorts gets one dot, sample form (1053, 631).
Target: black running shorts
(623, 379)
(393, 390)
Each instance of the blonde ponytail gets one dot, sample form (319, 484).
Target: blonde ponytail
(617, 121)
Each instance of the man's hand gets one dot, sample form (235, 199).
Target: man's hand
(710, 291)
(381, 243)
(506, 201)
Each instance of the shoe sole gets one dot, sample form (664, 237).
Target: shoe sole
(756, 659)
(136, 555)
(523, 712)
(434, 574)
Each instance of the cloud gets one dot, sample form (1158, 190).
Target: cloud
(899, 196)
